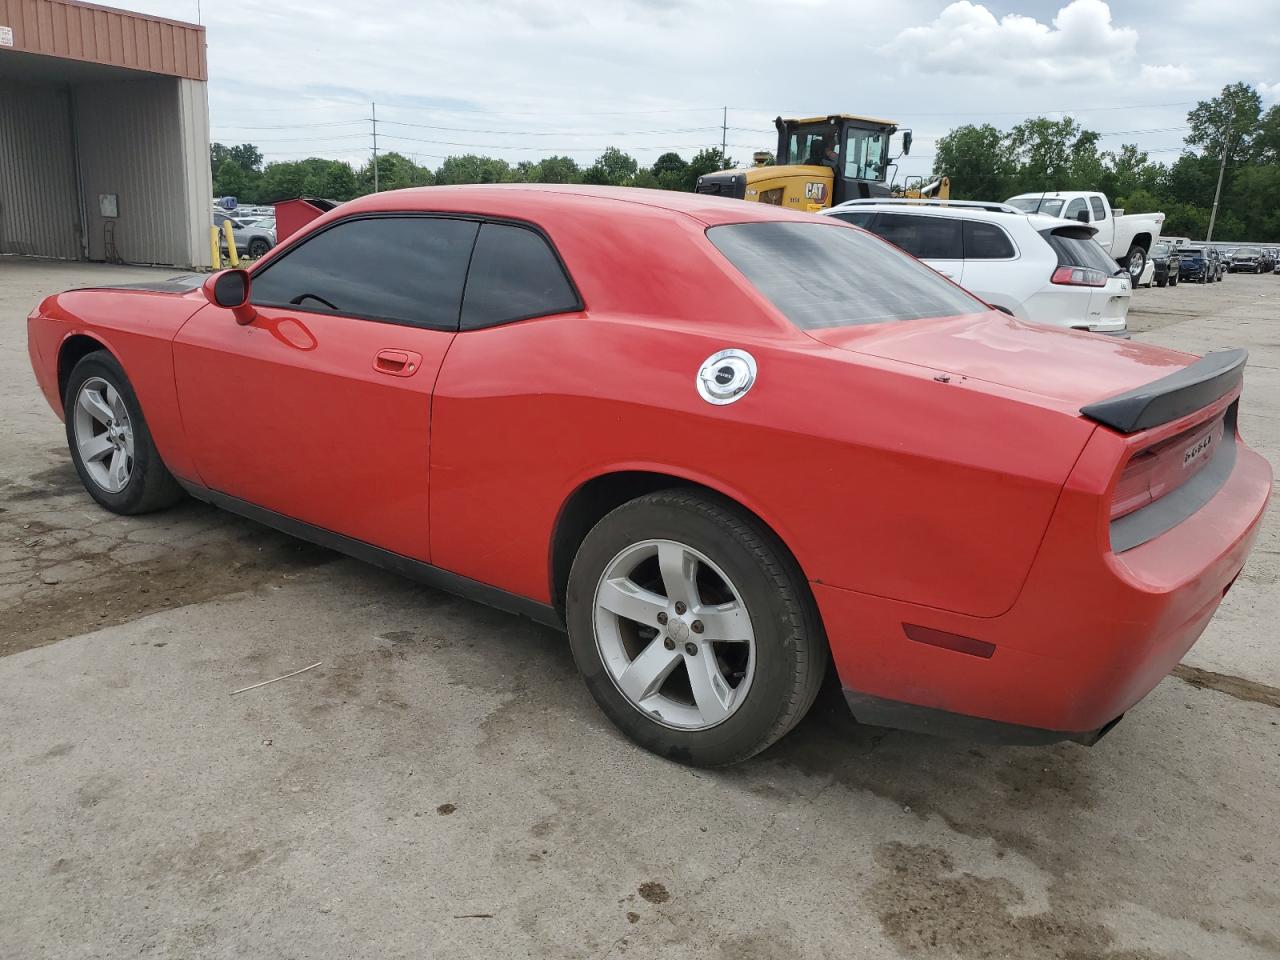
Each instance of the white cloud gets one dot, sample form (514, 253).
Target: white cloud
(1165, 75)
(966, 38)
(1269, 91)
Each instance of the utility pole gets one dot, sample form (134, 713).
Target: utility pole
(724, 132)
(375, 146)
(1217, 193)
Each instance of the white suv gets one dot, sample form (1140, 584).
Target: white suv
(1034, 267)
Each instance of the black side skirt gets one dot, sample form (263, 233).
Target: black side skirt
(397, 563)
(958, 726)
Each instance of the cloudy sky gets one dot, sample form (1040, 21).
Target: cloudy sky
(524, 78)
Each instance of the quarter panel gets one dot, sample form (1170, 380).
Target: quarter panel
(877, 476)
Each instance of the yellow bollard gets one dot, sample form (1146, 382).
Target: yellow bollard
(232, 257)
(215, 255)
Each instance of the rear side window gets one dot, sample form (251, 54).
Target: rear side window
(859, 218)
(822, 275)
(514, 275)
(929, 238)
(1099, 210)
(1075, 247)
(986, 241)
(406, 270)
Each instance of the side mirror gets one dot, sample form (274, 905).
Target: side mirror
(1083, 216)
(906, 143)
(230, 289)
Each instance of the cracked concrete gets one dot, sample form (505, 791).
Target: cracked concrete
(443, 785)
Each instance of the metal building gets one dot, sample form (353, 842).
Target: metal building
(104, 135)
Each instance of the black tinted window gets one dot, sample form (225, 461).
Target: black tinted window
(514, 275)
(403, 269)
(1099, 211)
(859, 218)
(1077, 248)
(929, 238)
(1074, 209)
(986, 241)
(823, 275)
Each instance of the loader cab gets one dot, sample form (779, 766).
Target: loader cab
(856, 149)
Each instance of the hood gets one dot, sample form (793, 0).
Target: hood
(183, 283)
(1072, 367)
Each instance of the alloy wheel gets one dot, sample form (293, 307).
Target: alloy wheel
(104, 434)
(674, 635)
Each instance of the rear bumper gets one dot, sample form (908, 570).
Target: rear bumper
(1090, 635)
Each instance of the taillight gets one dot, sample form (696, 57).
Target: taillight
(1079, 277)
(1160, 469)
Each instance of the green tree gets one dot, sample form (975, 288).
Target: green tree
(1051, 154)
(472, 168)
(230, 180)
(612, 168)
(978, 161)
(670, 171)
(556, 169)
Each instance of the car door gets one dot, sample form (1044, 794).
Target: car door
(933, 238)
(319, 409)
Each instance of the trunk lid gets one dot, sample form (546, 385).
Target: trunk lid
(1072, 367)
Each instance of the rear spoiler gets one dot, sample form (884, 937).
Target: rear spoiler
(1171, 397)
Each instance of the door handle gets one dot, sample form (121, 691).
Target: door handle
(397, 363)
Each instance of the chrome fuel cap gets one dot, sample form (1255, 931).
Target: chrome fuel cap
(726, 376)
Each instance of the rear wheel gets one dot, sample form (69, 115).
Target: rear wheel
(258, 247)
(110, 443)
(1135, 263)
(1162, 281)
(693, 629)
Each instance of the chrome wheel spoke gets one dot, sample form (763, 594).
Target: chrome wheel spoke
(96, 406)
(727, 622)
(679, 569)
(649, 671)
(93, 449)
(711, 692)
(627, 599)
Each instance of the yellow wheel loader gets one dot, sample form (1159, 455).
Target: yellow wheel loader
(820, 161)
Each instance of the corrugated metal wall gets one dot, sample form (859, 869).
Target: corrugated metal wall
(131, 143)
(39, 208)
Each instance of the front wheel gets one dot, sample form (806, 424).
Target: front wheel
(693, 628)
(110, 443)
(1163, 281)
(258, 247)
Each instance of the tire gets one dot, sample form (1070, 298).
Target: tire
(770, 679)
(1136, 257)
(258, 247)
(1163, 282)
(119, 429)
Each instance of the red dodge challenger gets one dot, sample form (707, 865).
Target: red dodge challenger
(719, 442)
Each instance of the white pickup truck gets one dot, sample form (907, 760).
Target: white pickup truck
(1127, 238)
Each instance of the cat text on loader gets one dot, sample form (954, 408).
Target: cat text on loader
(821, 161)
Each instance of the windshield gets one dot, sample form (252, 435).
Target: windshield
(1247, 252)
(1193, 251)
(1049, 206)
(827, 275)
(1160, 250)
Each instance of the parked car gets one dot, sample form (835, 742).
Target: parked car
(1194, 265)
(1217, 266)
(1148, 276)
(1272, 257)
(714, 482)
(1164, 258)
(252, 239)
(1037, 268)
(1247, 260)
(1127, 238)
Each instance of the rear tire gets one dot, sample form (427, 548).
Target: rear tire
(1163, 282)
(1135, 263)
(258, 247)
(646, 556)
(110, 442)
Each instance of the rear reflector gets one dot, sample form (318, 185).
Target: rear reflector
(949, 641)
(1161, 469)
(1079, 277)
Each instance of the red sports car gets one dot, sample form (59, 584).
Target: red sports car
(717, 441)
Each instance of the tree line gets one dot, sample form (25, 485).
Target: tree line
(239, 171)
(983, 162)
(987, 163)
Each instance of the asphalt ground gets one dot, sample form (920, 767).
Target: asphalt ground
(442, 785)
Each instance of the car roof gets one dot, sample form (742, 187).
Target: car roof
(538, 201)
(1038, 221)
